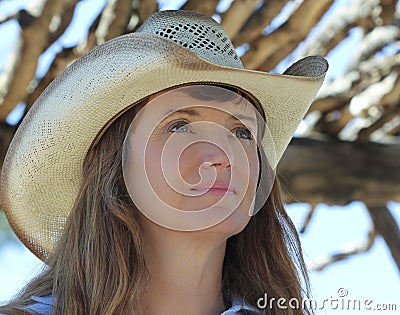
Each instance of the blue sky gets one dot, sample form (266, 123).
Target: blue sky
(370, 275)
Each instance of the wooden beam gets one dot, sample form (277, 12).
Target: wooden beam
(338, 172)
(35, 39)
(146, 8)
(205, 7)
(286, 37)
(120, 18)
(356, 13)
(258, 21)
(6, 134)
(387, 13)
(233, 19)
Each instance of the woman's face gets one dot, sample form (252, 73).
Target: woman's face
(191, 164)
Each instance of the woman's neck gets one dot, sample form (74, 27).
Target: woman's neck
(185, 272)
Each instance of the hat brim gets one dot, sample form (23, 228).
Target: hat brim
(42, 169)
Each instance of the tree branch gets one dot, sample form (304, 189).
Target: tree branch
(307, 219)
(394, 131)
(356, 80)
(388, 10)
(258, 21)
(358, 12)
(121, 14)
(287, 37)
(367, 107)
(372, 84)
(7, 75)
(386, 226)
(35, 39)
(329, 103)
(322, 263)
(63, 59)
(60, 62)
(205, 7)
(233, 19)
(65, 17)
(6, 134)
(388, 115)
(146, 8)
(374, 41)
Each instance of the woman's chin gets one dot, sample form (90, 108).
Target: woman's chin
(232, 225)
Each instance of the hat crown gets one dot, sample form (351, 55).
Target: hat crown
(196, 32)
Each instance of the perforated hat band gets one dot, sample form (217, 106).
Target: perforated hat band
(198, 33)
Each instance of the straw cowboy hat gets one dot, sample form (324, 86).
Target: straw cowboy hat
(42, 169)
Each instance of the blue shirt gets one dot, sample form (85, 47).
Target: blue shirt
(43, 307)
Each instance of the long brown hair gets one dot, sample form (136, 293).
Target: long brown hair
(97, 266)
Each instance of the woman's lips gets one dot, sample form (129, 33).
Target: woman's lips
(219, 189)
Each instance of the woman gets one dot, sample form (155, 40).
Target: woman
(144, 178)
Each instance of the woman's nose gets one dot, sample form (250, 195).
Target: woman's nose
(216, 158)
(217, 153)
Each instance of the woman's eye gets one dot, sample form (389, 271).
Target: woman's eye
(179, 126)
(243, 133)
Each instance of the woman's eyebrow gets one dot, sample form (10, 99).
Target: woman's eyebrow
(192, 112)
(239, 117)
(187, 111)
